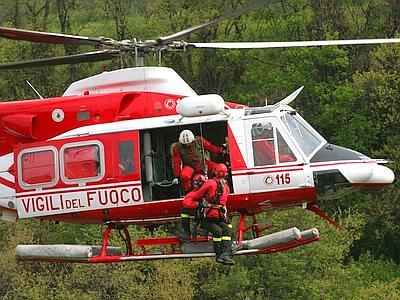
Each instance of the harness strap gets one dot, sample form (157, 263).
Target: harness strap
(216, 205)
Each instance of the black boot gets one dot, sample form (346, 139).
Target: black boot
(235, 247)
(225, 256)
(217, 249)
(185, 234)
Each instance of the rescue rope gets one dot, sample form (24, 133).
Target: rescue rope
(202, 147)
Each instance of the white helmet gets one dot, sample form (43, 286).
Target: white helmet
(186, 137)
(258, 128)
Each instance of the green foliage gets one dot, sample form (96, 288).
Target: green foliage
(351, 95)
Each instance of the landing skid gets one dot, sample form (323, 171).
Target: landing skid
(323, 215)
(171, 247)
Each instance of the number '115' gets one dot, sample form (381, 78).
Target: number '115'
(282, 178)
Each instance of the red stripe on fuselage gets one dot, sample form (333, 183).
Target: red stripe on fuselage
(253, 172)
(237, 161)
(279, 168)
(7, 183)
(369, 185)
(341, 163)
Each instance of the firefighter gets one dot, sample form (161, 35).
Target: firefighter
(190, 207)
(188, 158)
(215, 192)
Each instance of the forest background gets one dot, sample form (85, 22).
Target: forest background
(351, 96)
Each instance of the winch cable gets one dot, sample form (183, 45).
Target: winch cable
(202, 146)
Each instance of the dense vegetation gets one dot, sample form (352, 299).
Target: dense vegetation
(351, 95)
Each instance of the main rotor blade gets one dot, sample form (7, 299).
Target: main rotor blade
(233, 13)
(260, 45)
(51, 38)
(63, 60)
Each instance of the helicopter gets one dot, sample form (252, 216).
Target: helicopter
(65, 159)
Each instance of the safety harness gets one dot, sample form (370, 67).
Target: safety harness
(202, 213)
(193, 157)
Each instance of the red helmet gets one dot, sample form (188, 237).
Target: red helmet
(198, 180)
(221, 170)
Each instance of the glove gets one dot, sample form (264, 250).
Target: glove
(224, 149)
(204, 204)
(175, 181)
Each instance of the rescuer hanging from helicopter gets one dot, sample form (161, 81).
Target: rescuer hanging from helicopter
(190, 206)
(188, 158)
(215, 192)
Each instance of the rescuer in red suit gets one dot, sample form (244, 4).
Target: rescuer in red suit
(215, 192)
(188, 158)
(190, 206)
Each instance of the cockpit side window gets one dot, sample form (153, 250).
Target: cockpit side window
(263, 141)
(307, 140)
(285, 154)
(268, 145)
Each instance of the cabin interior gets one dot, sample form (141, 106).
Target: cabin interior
(156, 159)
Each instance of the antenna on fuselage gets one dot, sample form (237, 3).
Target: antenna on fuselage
(33, 88)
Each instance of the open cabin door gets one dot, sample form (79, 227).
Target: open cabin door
(275, 163)
(157, 160)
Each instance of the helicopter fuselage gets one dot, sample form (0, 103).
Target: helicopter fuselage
(106, 158)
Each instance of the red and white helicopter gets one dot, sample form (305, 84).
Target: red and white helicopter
(66, 158)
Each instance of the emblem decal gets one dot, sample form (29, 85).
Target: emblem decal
(58, 115)
(269, 180)
(169, 104)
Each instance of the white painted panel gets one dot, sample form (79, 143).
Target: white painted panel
(36, 205)
(143, 79)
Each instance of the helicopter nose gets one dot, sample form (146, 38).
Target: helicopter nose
(380, 175)
(372, 175)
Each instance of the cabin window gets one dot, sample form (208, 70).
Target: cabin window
(126, 157)
(262, 135)
(307, 140)
(82, 162)
(285, 154)
(38, 168)
(269, 147)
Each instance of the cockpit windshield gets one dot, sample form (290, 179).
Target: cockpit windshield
(307, 140)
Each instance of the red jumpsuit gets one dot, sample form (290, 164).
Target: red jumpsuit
(216, 191)
(264, 154)
(209, 192)
(189, 200)
(188, 160)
